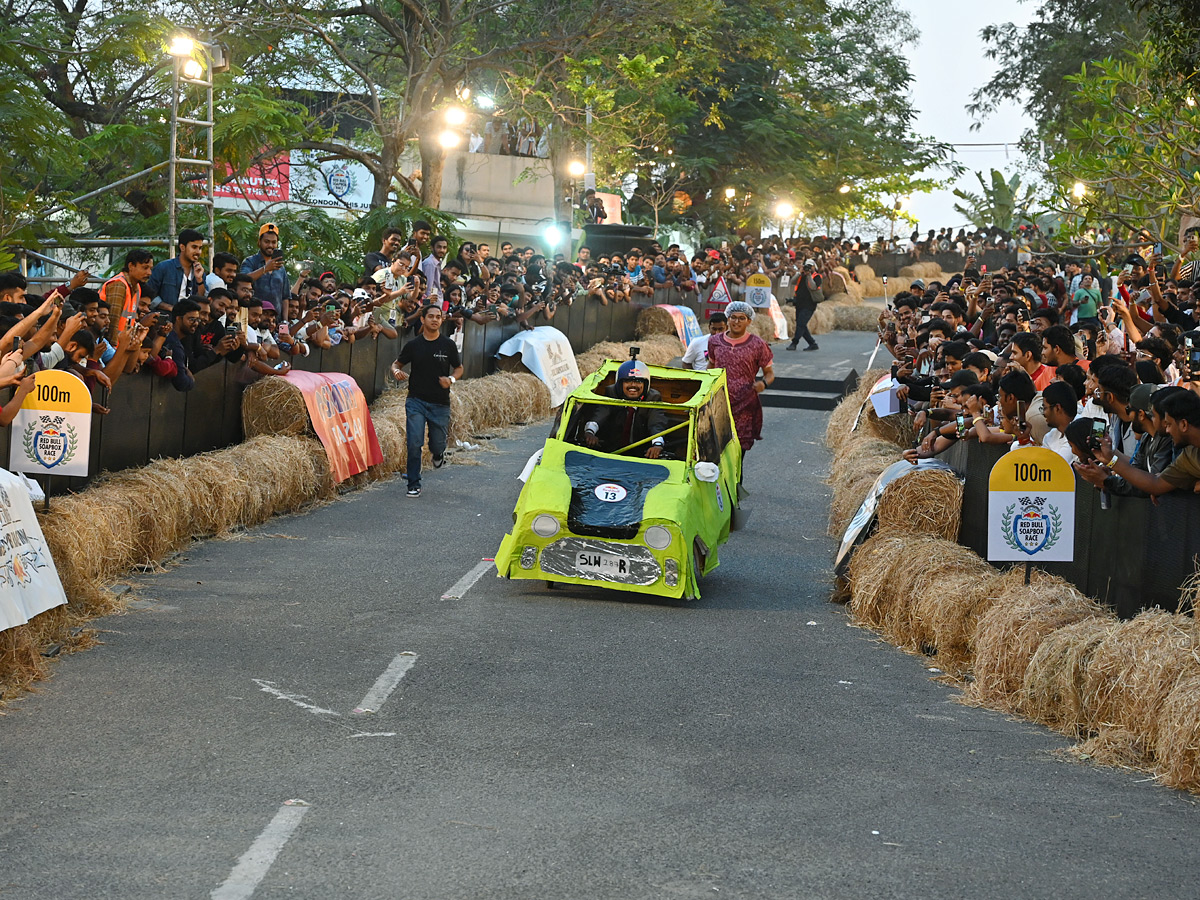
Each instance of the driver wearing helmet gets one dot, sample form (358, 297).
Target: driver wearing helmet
(610, 428)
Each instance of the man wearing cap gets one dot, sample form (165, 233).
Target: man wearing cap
(612, 428)
(808, 288)
(265, 267)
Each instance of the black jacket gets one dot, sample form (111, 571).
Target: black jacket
(611, 420)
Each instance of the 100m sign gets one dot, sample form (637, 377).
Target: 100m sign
(1031, 473)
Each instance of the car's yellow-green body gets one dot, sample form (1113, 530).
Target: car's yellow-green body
(605, 503)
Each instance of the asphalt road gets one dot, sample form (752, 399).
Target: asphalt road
(544, 744)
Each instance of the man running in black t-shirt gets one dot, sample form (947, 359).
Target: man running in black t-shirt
(434, 365)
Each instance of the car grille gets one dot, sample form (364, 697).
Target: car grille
(559, 558)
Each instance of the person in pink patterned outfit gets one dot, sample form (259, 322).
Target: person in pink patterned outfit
(743, 355)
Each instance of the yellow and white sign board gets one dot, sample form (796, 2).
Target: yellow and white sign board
(758, 291)
(1031, 507)
(52, 431)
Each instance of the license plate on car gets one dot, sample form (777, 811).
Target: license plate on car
(601, 564)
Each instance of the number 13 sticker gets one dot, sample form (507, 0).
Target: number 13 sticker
(610, 493)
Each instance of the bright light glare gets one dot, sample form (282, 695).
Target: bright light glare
(465, 94)
(730, 193)
(553, 235)
(485, 102)
(1079, 190)
(844, 189)
(1190, 101)
(193, 70)
(784, 210)
(181, 45)
(576, 169)
(455, 115)
(449, 139)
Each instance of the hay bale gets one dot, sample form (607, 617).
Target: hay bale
(656, 350)
(864, 272)
(925, 613)
(899, 429)
(483, 405)
(948, 604)
(1133, 670)
(852, 473)
(842, 421)
(763, 325)
(274, 405)
(1010, 632)
(1177, 736)
(924, 502)
(21, 661)
(655, 320)
(876, 572)
(1052, 691)
(908, 272)
(823, 319)
(391, 442)
(856, 318)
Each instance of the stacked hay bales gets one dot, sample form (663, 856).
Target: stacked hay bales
(1129, 691)
(654, 320)
(656, 350)
(870, 283)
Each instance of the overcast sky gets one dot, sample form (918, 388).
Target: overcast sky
(947, 66)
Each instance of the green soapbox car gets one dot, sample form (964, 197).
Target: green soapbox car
(608, 516)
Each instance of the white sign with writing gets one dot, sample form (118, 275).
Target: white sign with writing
(547, 353)
(29, 583)
(1031, 507)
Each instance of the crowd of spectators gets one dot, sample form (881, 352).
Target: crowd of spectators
(1097, 359)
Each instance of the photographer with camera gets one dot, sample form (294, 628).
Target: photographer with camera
(265, 267)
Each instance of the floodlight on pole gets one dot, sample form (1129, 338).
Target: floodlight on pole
(844, 189)
(193, 69)
(1079, 190)
(553, 236)
(181, 45)
(730, 193)
(455, 115)
(576, 169)
(784, 210)
(483, 101)
(449, 139)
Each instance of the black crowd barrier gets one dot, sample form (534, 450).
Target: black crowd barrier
(1132, 556)
(149, 419)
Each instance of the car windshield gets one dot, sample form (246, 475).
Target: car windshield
(629, 429)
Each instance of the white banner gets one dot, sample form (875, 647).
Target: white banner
(340, 184)
(52, 431)
(29, 583)
(546, 353)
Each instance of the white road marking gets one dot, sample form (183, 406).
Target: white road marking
(840, 362)
(299, 700)
(374, 734)
(386, 683)
(465, 583)
(253, 866)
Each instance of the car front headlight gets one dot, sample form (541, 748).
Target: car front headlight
(657, 537)
(545, 525)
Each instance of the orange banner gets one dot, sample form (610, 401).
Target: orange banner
(339, 415)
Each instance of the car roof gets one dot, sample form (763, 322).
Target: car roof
(707, 383)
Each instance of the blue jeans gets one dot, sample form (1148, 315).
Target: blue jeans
(418, 414)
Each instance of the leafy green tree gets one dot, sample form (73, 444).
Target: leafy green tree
(1002, 203)
(1134, 149)
(1034, 61)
